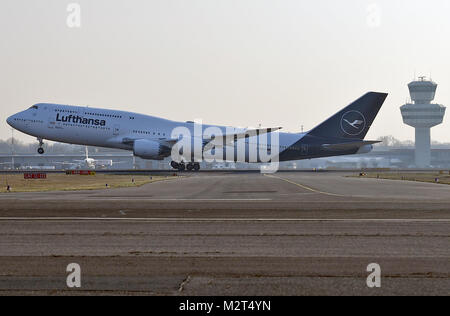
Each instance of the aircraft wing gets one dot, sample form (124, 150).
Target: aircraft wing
(348, 146)
(217, 141)
(231, 138)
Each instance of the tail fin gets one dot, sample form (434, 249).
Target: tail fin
(354, 121)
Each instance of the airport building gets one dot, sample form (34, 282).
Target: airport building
(402, 157)
(392, 158)
(422, 115)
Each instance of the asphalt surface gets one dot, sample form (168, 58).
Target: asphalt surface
(293, 233)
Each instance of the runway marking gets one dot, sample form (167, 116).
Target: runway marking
(190, 220)
(177, 200)
(93, 199)
(304, 186)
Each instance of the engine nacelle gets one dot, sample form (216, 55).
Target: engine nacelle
(149, 149)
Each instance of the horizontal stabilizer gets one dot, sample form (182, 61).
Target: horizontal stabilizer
(348, 146)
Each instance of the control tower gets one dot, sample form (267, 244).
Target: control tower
(422, 115)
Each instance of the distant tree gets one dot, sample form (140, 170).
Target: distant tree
(389, 141)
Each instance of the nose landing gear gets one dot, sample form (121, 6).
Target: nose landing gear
(41, 150)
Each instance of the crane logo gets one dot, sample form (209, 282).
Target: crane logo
(353, 123)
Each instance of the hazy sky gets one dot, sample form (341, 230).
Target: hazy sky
(232, 62)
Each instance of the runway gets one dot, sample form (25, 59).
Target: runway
(231, 234)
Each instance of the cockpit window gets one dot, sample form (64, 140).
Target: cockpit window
(34, 107)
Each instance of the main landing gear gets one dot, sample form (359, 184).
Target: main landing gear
(181, 166)
(41, 150)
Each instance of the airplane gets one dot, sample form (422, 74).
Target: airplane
(90, 163)
(150, 137)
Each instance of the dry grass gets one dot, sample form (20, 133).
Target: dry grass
(443, 177)
(62, 182)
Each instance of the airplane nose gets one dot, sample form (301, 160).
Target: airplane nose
(10, 120)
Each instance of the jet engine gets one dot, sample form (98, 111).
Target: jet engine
(149, 149)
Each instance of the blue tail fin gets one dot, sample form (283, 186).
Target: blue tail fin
(354, 121)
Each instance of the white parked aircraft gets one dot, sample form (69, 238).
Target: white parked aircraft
(91, 163)
(155, 138)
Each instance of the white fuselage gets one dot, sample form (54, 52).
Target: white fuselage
(110, 128)
(151, 137)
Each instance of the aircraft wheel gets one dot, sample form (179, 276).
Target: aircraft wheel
(41, 151)
(196, 167)
(181, 167)
(189, 167)
(174, 165)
